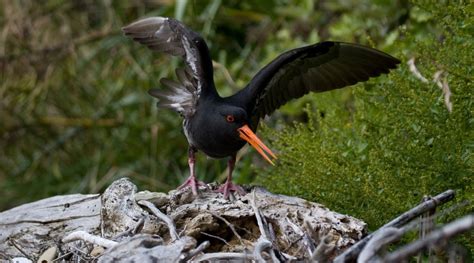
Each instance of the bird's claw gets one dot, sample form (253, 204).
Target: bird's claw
(194, 183)
(228, 187)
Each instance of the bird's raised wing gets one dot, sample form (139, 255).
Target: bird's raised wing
(319, 67)
(172, 37)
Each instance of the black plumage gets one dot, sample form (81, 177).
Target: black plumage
(219, 126)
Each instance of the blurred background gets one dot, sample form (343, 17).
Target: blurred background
(75, 114)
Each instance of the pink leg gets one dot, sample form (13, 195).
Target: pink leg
(228, 186)
(192, 181)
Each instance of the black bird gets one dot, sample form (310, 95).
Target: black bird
(219, 126)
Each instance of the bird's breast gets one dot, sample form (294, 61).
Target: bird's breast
(210, 140)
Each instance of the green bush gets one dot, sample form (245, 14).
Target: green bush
(390, 141)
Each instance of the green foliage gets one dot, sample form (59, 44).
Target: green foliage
(392, 140)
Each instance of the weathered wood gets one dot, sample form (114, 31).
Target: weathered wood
(352, 253)
(35, 227)
(436, 239)
(204, 225)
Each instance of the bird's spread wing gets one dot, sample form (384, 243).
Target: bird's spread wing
(172, 37)
(320, 67)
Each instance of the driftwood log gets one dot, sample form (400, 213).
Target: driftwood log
(123, 225)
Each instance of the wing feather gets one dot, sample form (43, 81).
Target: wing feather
(170, 36)
(317, 68)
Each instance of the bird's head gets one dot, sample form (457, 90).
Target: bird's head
(235, 123)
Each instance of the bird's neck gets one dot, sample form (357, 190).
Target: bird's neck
(209, 92)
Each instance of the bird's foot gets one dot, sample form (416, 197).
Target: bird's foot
(228, 187)
(194, 183)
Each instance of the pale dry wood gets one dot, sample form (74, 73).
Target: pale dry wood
(163, 217)
(37, 226)
(375, 245)
(353, 252)
(438, 238)
(138, 234)
(83, 235)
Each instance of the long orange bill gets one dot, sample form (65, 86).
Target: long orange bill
(248, 135)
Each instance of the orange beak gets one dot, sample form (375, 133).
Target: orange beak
(248, 135)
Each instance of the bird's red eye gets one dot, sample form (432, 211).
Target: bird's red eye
(230, 118)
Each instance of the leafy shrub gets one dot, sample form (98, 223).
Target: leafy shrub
(390, 141)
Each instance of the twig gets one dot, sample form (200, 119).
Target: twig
(311, 233)
(263, 241)
(291, 243)
(271, 232)
(261, 226)
(160, 215)
(416, 222)
(426, 226)
(443, 85)
(223, 256)
(381, 239)
(138, 227)
(133, 231)
(80, 254)
(96, 240)
(354, 250)
(306, 239)
(436, 238)
(422, 208)
(216, 237)
(415, 71)
(376, 246)
(62, 256)
(324, 249)
(261, 245)
(11, 241)
(194, 252)
(231, 226)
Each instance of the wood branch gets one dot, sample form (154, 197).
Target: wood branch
(147, 248)
(231, 227)
(322, 253)
(264, 241)
(437, 238)
(352, 253)
(221, 256)
(196, 251)
(380, 240)
(82, 235)
(36, 226)
(160, 215)
(114, 227)
(262, 245)
(414, 70)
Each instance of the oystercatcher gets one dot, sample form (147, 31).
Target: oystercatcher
(219, 126)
